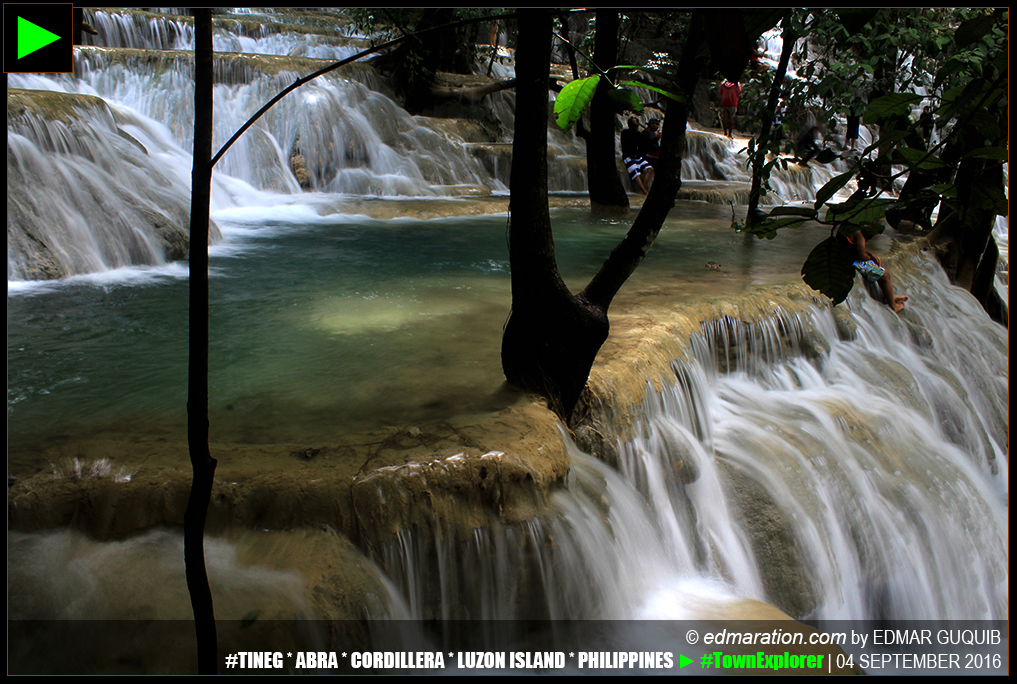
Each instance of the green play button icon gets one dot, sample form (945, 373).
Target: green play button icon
(683, 661)
(32, 37)
(38, 38)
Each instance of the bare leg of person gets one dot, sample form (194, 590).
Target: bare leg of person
(895, 302)
(645, 180)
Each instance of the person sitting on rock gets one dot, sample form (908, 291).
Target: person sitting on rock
(872, 269)
(638, 168)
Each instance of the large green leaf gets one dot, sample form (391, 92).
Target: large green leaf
(973, 30)
(948, 190)
(949, 68)
(989, 197)
(677, 97)
(572, 101)
(809, 212)
(894, 104)
(831, 188)
(920, 158)
(1000, 153)
(985, 123)
(829, 268)
(627, 99)
(867, 211)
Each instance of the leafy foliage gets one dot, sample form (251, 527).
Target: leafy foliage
(573, 100)
(659, 74)
(959, 57)
(829, 268)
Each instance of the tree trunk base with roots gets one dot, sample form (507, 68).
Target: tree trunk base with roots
(549, 348)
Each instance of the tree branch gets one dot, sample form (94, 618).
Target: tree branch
(667, 181)
(472, 94)
(790, 37)
(332, 67)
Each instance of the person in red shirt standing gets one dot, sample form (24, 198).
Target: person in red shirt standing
(729, 94)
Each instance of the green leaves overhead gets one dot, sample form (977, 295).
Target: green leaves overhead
(957, 58)
(829, 268)
(573, 100)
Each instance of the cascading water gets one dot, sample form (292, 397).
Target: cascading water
(87, 192)
(342, 131)
(884, 456)
(857, 479)
(836, 466)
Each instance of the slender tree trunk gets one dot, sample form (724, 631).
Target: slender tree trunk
(202, 463)
(607, 195)
(551, 338)
(975, 217)
(790, 36)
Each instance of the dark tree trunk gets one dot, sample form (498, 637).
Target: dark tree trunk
(963, 230)
(607, 195)
(975, 218)
(552, 336)
(984, 285)
(202, 463)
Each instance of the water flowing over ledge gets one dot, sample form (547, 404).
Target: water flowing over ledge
(341, 135)
(850, 466)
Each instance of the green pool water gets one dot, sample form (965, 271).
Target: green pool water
(326, 325)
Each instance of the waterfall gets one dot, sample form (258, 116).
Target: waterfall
(848, 466)
(341, 134)
(883, 456)
(87, 192)
(744, 442)
(839, 468)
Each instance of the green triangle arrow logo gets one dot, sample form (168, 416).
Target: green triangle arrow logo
(683, 661)
(32, 37)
